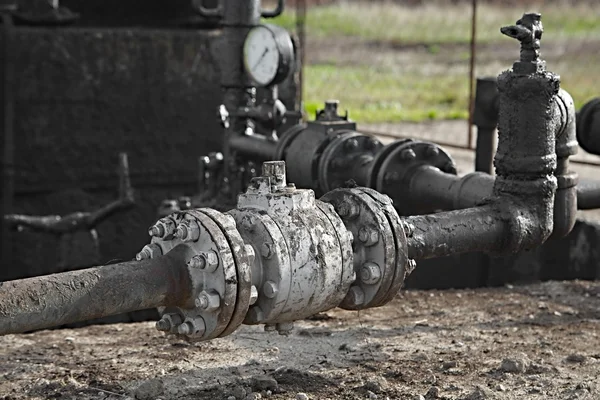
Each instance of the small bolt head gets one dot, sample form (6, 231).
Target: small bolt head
(253, 295)
(266, 250)
(208, 300)
(197, 261)
(432, 151)
(169, 322)
(370, 273)
(188, 231)
(372, 144)
(270, 289)
(368, 236)
(351, 144)
(192, 326)
(156, 231)
(408, 155)
(355, 296)
(149, 251)
(163, 325)
(347, 210)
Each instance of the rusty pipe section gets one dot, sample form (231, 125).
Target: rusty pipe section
(521, 213)
(57, 299)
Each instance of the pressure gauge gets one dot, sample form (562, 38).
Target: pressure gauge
(268, 54)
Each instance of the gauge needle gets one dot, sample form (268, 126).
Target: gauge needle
(261, 58)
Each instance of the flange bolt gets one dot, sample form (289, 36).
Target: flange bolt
(370, 273)
(208, 301)
(368, 236)
(355, 296)
(270, 289)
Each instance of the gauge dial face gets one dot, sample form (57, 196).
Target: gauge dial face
(262, 55)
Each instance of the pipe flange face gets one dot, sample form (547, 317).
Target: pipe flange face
(243, 261)
(287, 138)
(394, 173)
(341, 151)
(380, 157)
(212, 271)
(401, 270)
(274, 277)
(373, 244)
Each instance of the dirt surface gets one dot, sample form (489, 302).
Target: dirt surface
(525, 342)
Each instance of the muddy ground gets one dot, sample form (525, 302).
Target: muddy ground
(525, 342)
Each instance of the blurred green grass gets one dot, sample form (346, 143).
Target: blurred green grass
(431, 24)
(434, 86)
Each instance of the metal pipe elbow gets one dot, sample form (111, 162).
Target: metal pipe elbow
(565, 201)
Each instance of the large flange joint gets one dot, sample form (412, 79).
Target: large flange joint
(393, 167)
(380, 246)
(218, 269)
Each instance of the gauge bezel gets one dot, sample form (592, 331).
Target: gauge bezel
(285, 49)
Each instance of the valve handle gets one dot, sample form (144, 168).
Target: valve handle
(217, 11)
(275, 12)
(528, 30)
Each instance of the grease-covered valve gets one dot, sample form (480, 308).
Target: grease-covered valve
(280, 256)
(304, 253)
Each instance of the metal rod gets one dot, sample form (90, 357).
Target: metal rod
(254, 146)
(472, 72)
(485, 148)
(301, 31)
(52, 300)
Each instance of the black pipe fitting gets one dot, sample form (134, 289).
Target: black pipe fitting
(485, 117)
(521, 213)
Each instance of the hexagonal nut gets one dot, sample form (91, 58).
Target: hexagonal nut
(208, 300)
(347, 210)
(368, 236)
(169, 322)
(205, 260)
(270, 289)
(351, 144)
(266, 250)
(355, 296)
(188, 231)
(164, 228)
(149, 251)
(192, 327)
(370, 273)
(408, 155)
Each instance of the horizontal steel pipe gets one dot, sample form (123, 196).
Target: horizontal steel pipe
(254, 146)
(443, 191)
(53, 300)
(588, 194)
(454, 232)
